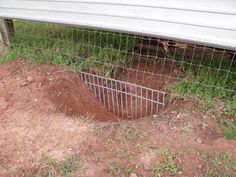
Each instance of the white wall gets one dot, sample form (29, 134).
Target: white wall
(210, 22)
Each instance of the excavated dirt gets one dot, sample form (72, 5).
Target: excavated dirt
(72, 97)
(63, 89)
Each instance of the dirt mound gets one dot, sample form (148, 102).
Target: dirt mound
(49, 86)
(72, 97)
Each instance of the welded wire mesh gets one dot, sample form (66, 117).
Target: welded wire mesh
(130, 74)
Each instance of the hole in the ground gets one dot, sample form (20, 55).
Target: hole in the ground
(137, 95)
(124, 99)
(133, 92)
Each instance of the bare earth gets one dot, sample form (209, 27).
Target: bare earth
(47, 110)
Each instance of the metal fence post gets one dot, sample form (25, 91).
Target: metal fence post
(7, 31)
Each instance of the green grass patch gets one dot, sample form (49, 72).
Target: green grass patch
(212, 78)
(220, 165)
(228, 128)
(168, 165)
(230, 108)
(50, 167)
(75, 48)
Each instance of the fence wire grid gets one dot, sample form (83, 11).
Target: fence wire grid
(130, 74)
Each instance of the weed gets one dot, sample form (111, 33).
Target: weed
(130, 134)
(49, 167)
(207, 105)
(220, 165)
(125, 134)
(126, 154)
(213, 79)
(229, 128)
(69, 165)
(168, 164)
(11, 54)
(2, 163)
(115, 169)
(230, 108)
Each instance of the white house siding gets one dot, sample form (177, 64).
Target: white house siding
(211, 22)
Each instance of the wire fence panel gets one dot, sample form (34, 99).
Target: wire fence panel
(124, 99)
(131, 75)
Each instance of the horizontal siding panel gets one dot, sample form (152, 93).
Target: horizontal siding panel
(214, 20)
(226, 6)
(164, 18)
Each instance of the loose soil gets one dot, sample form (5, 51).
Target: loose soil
(72, 97)
(46, 109)
(63, 90)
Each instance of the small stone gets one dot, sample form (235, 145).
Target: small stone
(133, 175)
(198, 140)
(30, 79)
(154, 116)
(202, 125)
(179, 115)
(147, 159)
(219, 107)
(23, 84)
(40, 84)
(3, 103)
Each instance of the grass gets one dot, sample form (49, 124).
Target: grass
(212, 77)
(116, 169)
(126, 154)
(78, 49)
(168, 164)
(228, 128)
(209, 83)
(50, 167)
(220, 165)
(226, 119)
(128, 134)
(214, 80)
(230, 108)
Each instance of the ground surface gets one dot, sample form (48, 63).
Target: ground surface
(47, 111)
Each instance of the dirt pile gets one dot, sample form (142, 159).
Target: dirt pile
(72, 97)
(41, 86)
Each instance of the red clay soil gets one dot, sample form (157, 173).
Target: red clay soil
(153, 76)
(64, 89)
(72, 97)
